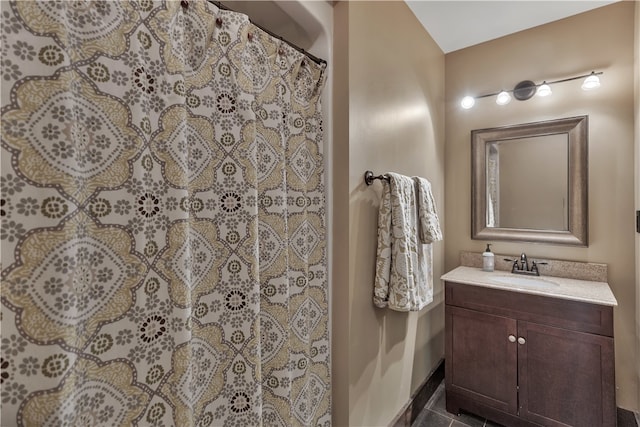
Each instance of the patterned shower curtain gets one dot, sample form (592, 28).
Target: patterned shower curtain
(163, 219)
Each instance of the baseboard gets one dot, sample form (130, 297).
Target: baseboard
(419, 399)
(627, 418)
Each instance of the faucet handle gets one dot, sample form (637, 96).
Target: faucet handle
(515, 264)
(534, 266)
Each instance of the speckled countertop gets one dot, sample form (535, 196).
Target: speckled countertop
(556, 287)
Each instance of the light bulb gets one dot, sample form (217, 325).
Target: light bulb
(544, 90)
(503, 98)
(467, 102)
(591, 82)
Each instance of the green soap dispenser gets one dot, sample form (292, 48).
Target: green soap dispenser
(488, 260)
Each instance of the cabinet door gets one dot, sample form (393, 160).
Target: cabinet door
(566, 377)
(481, 361)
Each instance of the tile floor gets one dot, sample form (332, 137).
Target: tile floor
(435, 414)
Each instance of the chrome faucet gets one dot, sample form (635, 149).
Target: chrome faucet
(521, 266)
(524, 262)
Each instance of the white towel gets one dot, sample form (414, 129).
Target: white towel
(429, 226)
(404, 277)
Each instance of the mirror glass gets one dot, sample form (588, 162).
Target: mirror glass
(512, 165)
(530, 182)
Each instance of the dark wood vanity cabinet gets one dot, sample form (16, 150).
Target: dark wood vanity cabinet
(528, 360)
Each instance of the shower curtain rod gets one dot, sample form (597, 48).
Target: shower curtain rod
(314, 58)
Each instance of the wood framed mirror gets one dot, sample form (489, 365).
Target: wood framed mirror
(529, 182)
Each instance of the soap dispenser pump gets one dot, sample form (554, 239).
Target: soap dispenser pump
(488, 259)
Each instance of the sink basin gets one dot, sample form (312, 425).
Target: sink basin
(528, 282)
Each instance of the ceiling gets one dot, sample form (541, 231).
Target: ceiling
(456, 24)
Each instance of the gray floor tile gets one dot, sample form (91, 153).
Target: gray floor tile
(435, 414)
(470, 420)
(428, 418)
(439, 405)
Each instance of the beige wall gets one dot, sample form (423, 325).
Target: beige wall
(388, 116)
(637, 175)
(340, 216)
(598, 40)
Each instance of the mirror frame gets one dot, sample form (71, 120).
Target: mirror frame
(577, 130)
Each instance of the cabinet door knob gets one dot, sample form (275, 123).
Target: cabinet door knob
(521, 340)
(512, 338)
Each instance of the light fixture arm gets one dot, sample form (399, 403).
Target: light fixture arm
(593, 73)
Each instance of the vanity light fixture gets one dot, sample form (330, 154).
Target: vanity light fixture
(591, 82)
(526, 89)
(503, 98)
(544, 90)
(468, 102)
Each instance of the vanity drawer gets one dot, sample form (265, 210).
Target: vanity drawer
(567, 314)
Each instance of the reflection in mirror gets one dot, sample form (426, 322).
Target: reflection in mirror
(529, 182)
(512, 165)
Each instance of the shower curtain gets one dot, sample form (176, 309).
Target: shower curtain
(163, 219)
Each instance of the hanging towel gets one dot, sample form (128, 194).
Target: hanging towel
(429, 225)
(404, 278)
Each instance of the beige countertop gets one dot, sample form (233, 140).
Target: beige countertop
(555, 287)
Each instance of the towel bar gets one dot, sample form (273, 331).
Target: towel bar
(369, 177)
